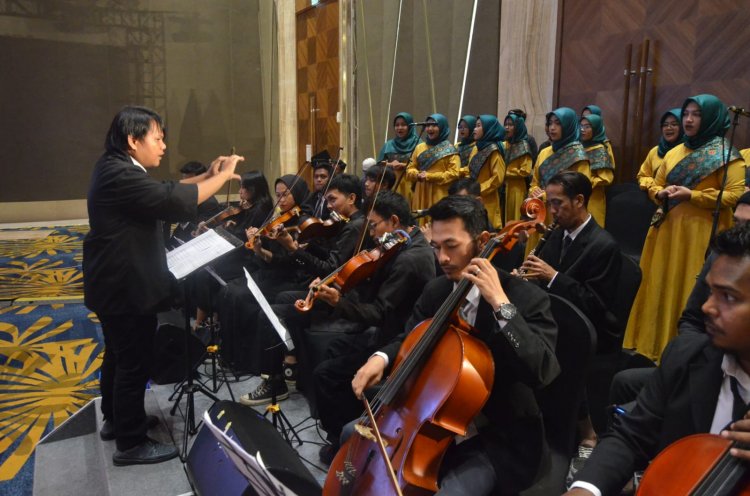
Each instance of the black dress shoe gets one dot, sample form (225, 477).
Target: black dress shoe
(327, 453)
(149, 451)
(107, 432)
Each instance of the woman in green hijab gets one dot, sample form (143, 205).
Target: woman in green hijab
(486, 165)
(434, 164)
(689, 181)
(518, 161)
(601, 163)
(671, 136)
(465, 145)
(397, 151)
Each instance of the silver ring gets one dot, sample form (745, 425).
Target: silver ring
(477, 271)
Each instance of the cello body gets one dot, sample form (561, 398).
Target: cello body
(697, 465)
(454, 384)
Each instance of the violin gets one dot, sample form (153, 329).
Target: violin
(269, 226)
(313, 227)
(441, 379)
(217, 219)
(358, 268)
(698, 465)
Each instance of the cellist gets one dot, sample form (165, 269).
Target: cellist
(702, 385)
(513, 318)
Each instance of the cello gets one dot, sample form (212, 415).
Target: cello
(441, 379)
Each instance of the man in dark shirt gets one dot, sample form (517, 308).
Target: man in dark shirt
(125, 274)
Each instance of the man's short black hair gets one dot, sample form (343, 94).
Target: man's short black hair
(734, 242)
(467, 208)
(131, 121)
(193, 167)
(573, 184)
(374, 173)
(465, 183)
(322, 165)
(347, 184)
(388, 203)
(744, 199)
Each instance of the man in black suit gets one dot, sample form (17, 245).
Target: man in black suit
(125, 274)
(581, 261)
(701, 386)
(513, 318)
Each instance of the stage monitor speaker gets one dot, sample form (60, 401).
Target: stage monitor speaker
(211, 472)
(169, 348)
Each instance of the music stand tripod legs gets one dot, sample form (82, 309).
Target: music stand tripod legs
(188, 387)
(278, 419)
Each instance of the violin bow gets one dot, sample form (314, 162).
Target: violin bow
(381, 446)
(229, 183)
(403, 172)
(333, 173)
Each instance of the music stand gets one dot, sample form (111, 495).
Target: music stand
(279, 420)
(183, 261)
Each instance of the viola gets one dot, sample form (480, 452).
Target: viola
(698, 465)
(269, 226)
(313, 227)
(217, 219)
(441, 379)
(357, 268)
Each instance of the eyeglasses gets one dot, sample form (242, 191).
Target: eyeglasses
(372, 225)
(585, 126)
(670, 124)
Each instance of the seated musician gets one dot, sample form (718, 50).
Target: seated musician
(378, 178)
(580, 262)
(514, 319)
(315, 204)
(701, 385)
(211, 206)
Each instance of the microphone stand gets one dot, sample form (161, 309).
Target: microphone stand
(727, 157)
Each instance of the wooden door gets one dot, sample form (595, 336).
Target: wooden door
(318, 79)
(697, 46)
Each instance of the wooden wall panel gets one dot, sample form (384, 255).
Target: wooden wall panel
(318, 79)
(697, 46)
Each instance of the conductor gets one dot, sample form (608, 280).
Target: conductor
(125, 275)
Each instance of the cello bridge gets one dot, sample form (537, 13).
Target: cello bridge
(366, 432)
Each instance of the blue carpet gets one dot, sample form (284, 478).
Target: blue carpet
(49, 364)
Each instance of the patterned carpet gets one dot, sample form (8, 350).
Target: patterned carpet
(49, 353)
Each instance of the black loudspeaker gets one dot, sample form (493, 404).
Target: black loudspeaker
(211, 472)
(169, 348)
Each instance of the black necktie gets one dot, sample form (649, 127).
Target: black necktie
(739, 407)
(567, 240)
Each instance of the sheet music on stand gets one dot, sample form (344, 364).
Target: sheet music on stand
(251, 467)
(283, 333)
(191, 256)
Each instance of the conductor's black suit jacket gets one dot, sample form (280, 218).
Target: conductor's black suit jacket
(124, 262)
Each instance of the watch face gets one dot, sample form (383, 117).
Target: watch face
(508, 311)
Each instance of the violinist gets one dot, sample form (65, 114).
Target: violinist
(315, 204)
(206, 209)
(343, 197)
(513, 318)
(702, 384)
(255, 205)
(378, 178)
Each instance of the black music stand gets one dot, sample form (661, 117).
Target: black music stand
(183, 261)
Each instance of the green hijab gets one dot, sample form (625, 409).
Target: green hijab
(404, 145)
(714, 120)
(664, 145)
(471, 122)
(493, 132)
(520, 133)
(445, 129)
(595, 109)
(598, 136)
(571, 131)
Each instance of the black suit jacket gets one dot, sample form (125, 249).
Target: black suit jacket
(679, 400)
(587, 277)
(523, 352)
(124, 263)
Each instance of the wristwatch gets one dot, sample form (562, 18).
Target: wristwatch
(506, 311)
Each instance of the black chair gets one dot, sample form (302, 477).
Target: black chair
(559, 402)
(606, 362)
(618, 188)
(628, 219)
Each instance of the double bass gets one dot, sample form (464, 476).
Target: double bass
(441, 379)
